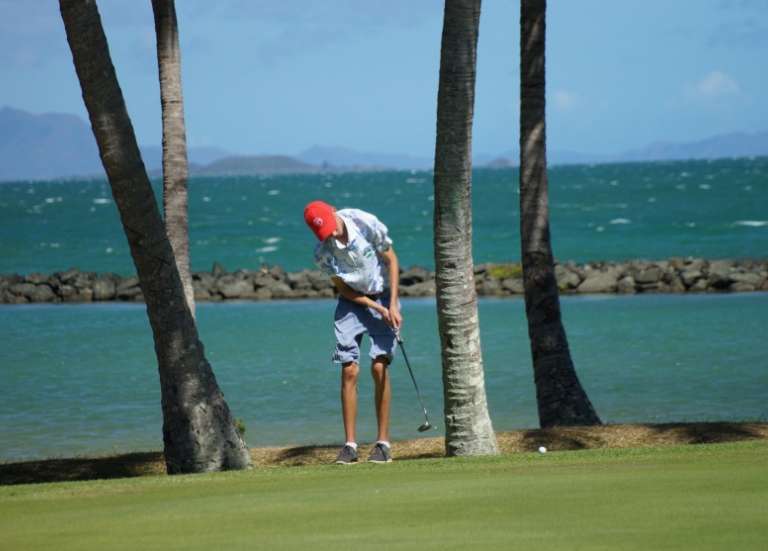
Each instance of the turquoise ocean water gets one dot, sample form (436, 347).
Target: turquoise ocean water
(82, 379)
(610, 212)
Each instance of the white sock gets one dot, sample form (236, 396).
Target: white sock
(385, 442)
(352, 445)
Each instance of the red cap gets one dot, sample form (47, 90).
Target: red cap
(321, 219)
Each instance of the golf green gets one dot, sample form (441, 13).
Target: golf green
(689, 497)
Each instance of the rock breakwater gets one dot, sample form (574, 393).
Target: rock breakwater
(676, 275)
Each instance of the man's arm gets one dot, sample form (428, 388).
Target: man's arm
(392, 314)
(390, 259)
(358, 298)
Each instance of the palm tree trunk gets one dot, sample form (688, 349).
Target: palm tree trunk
(175, 167)
(468, 429)
(560, 397)
(198, 431)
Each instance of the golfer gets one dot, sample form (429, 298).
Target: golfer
(356, 252)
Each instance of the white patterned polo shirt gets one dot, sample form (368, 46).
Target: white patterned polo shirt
(357, 263)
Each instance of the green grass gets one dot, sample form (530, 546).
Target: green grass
(504, 271)
(689, 497)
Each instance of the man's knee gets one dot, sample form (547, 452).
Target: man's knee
(381, 359)
(349, 372)
(379, 365)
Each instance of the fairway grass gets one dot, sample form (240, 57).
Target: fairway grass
(689, 497)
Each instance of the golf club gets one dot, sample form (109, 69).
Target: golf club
(426, 425)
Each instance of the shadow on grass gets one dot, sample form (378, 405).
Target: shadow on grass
(709, 433)
(555, 439)
(305, 455)
(86, 468)
(640, 435)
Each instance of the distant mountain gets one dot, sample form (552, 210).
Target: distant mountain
(153, 155)
(257, 164)
(54, 145)
(358, 160)
(500, 162)
(737, 144)
(554, 157)
(36, 147)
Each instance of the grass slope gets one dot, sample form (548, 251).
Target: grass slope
(690, 497)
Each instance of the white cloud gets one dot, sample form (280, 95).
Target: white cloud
(563, 100)
(715, 85)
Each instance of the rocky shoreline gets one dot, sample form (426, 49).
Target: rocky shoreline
(676, 275)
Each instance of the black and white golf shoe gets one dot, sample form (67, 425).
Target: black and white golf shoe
(347, 456)
(380, 454)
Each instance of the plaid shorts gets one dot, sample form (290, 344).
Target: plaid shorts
(351, 321)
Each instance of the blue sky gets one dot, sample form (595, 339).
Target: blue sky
(280, 76)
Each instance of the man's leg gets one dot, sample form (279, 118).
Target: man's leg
(383, 395)
(349, 373)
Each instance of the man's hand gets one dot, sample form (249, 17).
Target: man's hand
(391, 316)
(396, 320)
(385, 315)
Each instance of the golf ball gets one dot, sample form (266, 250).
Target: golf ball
(542, 449)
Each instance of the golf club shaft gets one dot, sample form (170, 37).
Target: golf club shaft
(410, 371)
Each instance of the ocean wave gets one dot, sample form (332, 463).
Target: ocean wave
(273, 192)
(268, 249)
(101, 201)
(272, 240)
(751, 223)
(621, 221)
